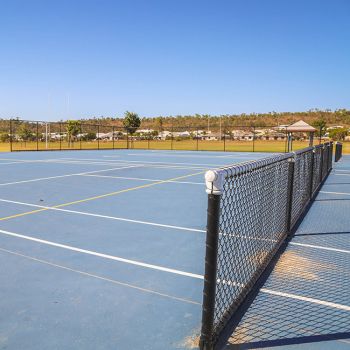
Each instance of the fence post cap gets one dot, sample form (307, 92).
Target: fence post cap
(214, 182)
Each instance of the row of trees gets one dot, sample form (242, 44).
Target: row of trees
(131, 122)
(339, 116)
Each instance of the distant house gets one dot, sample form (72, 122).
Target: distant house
(182, 134)
(163, 135)
(211, 137)
(104, 136)
(144, 131)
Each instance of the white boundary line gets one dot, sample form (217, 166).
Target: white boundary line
(310, 300)
(128, 162)
(150, 162)
(109, 163)
(169, 270)
(321, 247)
(128, 285)
(104, 216)
(105, 256)
(340, 193)
(141, 179)
(67, 175)
(186, 155)
(341, 170)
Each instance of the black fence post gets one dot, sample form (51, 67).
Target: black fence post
(214, 184)
(330, 156)
(113, 137)
(37, 136)
(98, 136)
(311, 183)
(291, 166)
(172, 137)
(286, 142)
(321, 165)
(60, 133)
(11, 135)
(209, 290)
(338, 151)
(253, 138)
(81, 134)
(224, 140)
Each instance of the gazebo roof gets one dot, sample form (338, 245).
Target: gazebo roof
(300, 126)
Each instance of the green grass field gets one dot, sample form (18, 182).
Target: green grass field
(233, 146)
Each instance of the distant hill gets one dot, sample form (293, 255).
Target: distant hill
(313, 117)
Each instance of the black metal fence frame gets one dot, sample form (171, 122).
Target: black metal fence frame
(223, 135)
(321, 160)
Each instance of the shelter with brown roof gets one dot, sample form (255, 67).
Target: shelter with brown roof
(300, 126)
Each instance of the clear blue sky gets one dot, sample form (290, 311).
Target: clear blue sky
(76, 59)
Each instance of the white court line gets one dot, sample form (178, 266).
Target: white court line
(77, 161)
(67, 175)
(141, 179)
(169, 270)
(186, 156)
(11, 163)
(145, 164)
(310, 300)
(101, 278)
(321, 247)
(182, 228)
(341, 170)
(104, 216)
(101, 255)
(341, 174)
(340, 193)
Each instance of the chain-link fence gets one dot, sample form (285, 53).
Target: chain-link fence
(5, 135)
(75, 135)
(253, 208)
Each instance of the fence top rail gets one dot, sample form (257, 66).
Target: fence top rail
(304, 150)
(214, 179)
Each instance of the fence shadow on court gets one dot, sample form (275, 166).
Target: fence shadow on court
(303, 301)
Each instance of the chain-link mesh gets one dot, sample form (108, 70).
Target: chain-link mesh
(259, 204)
(247, 239)
(301, 182)
(317, 166)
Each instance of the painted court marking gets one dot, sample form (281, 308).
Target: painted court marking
(68, 175)
(321, 247)
(104, 216)
(76, 161)
(169, 270)
(128, 162)
(310, 300)
(99, 196)
(146, 290)
(101, 255)
(340, 193)
(142, 179)
(147, 162)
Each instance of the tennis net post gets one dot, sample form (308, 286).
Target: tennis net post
(213, 189)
